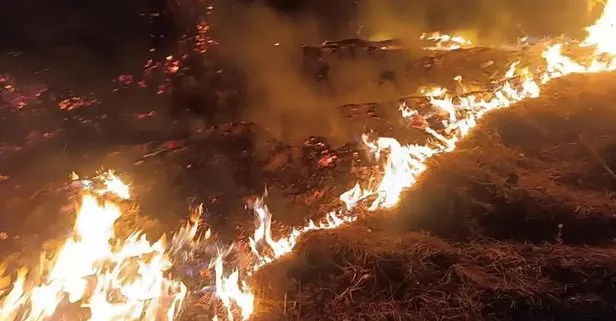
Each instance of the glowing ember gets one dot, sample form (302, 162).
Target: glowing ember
(104, 183)
(76, 102)
(402, 164)
(126, 279)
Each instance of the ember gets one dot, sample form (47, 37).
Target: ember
(125, 80)
(19, 96)
(76, 102)
(203, 40)
(129, 278)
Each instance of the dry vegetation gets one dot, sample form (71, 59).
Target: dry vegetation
(517, 224)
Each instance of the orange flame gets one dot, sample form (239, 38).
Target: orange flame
(444, 41)
(129, 276)
(115, 279)
(402, 164)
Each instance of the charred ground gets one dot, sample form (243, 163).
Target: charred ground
(516, 224)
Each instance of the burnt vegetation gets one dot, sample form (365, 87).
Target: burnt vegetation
(516, 224)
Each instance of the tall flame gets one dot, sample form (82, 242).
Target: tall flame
(444, 41)
(601, 34)
(114, 279)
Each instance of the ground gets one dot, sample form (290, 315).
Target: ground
(516, 224)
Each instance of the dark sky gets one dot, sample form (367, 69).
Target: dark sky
(40, 24)
(105, 23)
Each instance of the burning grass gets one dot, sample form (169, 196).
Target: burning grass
(539, 171)
(375, 274)
(517, 223)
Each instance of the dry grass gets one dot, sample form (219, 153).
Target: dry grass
(354, 274)
(517, 224)
(536, 172)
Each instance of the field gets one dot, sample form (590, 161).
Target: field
(515, 223)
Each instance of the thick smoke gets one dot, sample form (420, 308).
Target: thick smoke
(265, 44)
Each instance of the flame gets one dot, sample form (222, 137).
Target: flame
(282, 246)
(601, 34)
(229, 291)
(444, 41)
(127, 279)
(403, 163)
(104, 183)
(112, 278)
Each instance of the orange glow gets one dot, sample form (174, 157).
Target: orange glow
(127, 279)
(115, 279)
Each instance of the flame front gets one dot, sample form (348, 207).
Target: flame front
(110, 278)
(601, 34)
(126, 279)
(403, 163)
(444, 41)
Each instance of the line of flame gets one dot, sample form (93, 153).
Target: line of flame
(404, 163)
(127, 279)
(115, 279)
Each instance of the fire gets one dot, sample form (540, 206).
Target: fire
(444, 41)
(111, 278)
(104, 183)
(282, 246)
(402, 164)
(601, 34)
(128, 279)
(229, 291)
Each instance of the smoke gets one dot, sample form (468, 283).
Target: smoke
(483, 21)
(265, 44)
